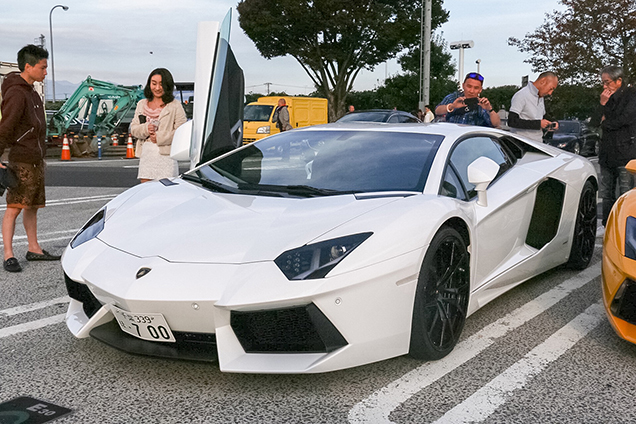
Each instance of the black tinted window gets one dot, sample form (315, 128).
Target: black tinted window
(451, 186)
(472, 148)
(352, 161)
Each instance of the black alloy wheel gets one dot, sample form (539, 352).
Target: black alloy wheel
(441, 298)
(584, 237)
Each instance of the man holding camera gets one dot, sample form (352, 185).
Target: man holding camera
(527, 108)
(466, 107)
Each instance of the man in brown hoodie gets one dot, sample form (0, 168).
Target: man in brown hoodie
(23, 129)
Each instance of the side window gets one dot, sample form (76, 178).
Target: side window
(394, 119)
(472, 148)
(451, 186)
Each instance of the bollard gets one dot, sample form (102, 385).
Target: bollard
(99, 147)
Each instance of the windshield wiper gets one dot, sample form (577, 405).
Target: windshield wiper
(294, 190)
(209, 184)
(309, 190)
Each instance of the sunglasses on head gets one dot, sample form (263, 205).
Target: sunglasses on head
(475, 75)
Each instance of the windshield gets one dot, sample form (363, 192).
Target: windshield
(566, 127)
(315, 162)
(257, 112)
(366, 117)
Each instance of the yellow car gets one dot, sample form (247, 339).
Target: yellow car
(618, 274)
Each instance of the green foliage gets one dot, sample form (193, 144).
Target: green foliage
(588, 35)
(252, 97)
(333, 40)
(51, 105)
(573, 101)
(500, 96)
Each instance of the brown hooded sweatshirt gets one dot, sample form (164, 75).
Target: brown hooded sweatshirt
(23, 123)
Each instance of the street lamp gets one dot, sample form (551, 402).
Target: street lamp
(51, 35)
(478, 62)
(461, 45)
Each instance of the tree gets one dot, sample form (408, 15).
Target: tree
(402, 91)
(333, 40)
(578, 42)
(572, 101)
(500, 96)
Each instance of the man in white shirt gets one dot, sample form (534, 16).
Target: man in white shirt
(527, 108)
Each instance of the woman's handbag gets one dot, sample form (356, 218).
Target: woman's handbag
(8, 179)
(138, 146)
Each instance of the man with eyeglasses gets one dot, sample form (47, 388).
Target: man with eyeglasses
(466, 107)
(616, 115)
(527, 108)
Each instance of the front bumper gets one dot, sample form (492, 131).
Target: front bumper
(618, 271)
(249, 316)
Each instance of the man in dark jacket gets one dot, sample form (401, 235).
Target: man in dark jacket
(23, 129)
(617, 117)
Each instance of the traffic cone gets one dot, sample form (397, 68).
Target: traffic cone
(115, 139)
(66, 151)
(130, 150)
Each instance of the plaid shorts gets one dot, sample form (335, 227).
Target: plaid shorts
(29, 194)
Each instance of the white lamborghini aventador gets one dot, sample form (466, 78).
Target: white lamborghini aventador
(325, 247)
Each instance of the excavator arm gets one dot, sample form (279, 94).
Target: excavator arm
(87, 100)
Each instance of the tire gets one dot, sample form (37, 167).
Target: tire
(577, 148)
(441, 297)
(584, 237)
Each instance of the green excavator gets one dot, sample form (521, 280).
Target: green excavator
(96, 109)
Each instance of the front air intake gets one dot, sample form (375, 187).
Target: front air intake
(82, 293)
(303, 329)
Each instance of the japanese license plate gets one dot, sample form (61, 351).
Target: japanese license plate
(146, 326)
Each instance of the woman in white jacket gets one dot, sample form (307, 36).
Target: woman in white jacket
(156, 119)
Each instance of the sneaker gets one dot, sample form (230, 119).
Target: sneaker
(12, 265)
(44, 256)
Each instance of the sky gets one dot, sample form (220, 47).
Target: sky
(121, 41)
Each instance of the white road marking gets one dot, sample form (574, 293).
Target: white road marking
(70, 199)
(84, 162)
(40, 240)
(50, 233)
(33, 325)
(33, 306)
(64, 202)
(487, 399)
(377, 407)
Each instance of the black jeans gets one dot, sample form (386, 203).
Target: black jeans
(610, 176)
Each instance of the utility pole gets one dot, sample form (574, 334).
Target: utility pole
(268, 84)
(425, 53)
(40, 41)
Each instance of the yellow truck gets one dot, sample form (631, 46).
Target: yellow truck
(303, 112)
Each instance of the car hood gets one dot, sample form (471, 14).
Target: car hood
(185, 223)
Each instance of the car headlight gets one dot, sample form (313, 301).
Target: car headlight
(90, 230)
(562, 145)
(263, 130)
(316, 260)
(630, 237)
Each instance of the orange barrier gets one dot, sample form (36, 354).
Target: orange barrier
(130, 150)
(66, 151)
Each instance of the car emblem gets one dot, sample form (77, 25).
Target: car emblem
(142, 272)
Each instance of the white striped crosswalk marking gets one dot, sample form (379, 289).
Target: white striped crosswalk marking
(487, 399)
(377, 407)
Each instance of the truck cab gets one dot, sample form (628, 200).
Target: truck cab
(303, 111)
